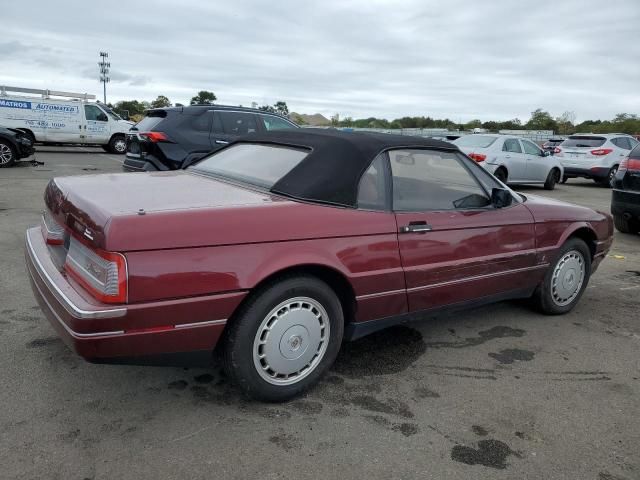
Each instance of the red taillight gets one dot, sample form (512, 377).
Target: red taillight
(557, 150)
(601, 151)
(478, 157)
(154, 136)
(632, 164)
(103, 274)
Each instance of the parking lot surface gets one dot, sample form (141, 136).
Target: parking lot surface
(497, 392)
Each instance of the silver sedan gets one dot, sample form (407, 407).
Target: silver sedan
(512, 160)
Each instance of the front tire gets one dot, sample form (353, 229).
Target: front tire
(565, 280)
(552, 179)
(284, 338)
(7, 154)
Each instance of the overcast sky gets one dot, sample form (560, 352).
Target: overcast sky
(457, 59)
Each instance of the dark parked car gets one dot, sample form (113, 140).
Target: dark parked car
(172, 138)
(625, 199)
(14, 145)
(279, 246)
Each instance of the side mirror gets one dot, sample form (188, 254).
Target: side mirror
(501, 197)
(125, 114)
(546, 153)
(103, 117)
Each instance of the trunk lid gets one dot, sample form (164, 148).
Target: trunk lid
(180, 209)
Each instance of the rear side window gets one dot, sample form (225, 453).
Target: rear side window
(635, 153)
(275, 123)
(372, 192)
(237, 123)
(255, 164)
(583, 141)
(481, 141)
(148, 123)
(622, 142)
(512, 145)
(433, 180)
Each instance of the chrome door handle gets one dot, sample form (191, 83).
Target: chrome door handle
(416, 227)
(221, 142)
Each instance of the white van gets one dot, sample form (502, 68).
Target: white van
(69, 119)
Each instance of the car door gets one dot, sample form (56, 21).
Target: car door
(514, 159)
(455, 246)
(60, 122)
(537, 163)
(96, 126)
(231, 124)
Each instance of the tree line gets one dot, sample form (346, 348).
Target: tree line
(135, 108)
(540, 119)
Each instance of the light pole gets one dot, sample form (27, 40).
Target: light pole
(104, 73)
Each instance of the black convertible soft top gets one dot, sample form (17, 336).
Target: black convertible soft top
(330, 173)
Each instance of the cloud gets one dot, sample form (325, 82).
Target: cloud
(461, 60)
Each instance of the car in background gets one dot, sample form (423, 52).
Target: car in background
(625, 198)
(594, 156)
(14, 145)
(551, 144)
(512, 160)
(279, 246)
(173, 138)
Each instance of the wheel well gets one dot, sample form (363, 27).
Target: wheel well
(336, 281)
(115, 135)
(588, 236)
(504, 169)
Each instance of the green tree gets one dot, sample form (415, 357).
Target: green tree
(565, 123)
(204, 97)
(473, 124)
(160, 102)
(134, 107)
(281, 108)
(541, 120)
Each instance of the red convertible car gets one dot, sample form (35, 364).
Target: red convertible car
(280, 246)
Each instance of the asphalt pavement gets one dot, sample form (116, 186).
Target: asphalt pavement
(494, 393)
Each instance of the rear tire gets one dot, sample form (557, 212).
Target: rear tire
(625, 226)
(606, 182)
(118, 145)
(566, 279)
(284, 338)
(7, 154)
(552, 179)
(501, 174)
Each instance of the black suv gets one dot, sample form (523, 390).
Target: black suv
(625, 199)
(172, 138)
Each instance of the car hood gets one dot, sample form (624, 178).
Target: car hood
(179, 209)
(546, 209)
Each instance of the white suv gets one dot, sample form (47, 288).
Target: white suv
(594, 155)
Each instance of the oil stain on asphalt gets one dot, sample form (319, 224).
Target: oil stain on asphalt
(483, 337)
(490, 453)
(510, 355)
(395, 349)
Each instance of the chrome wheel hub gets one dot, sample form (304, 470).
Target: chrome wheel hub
(120, 146)
(5, 154)
(567, 279)
(291, 341)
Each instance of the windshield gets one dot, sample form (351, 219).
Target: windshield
(583, 141)
(255, 164)
(476, 141)
(113, 114)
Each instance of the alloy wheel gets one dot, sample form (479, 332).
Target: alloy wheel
(6, 154)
